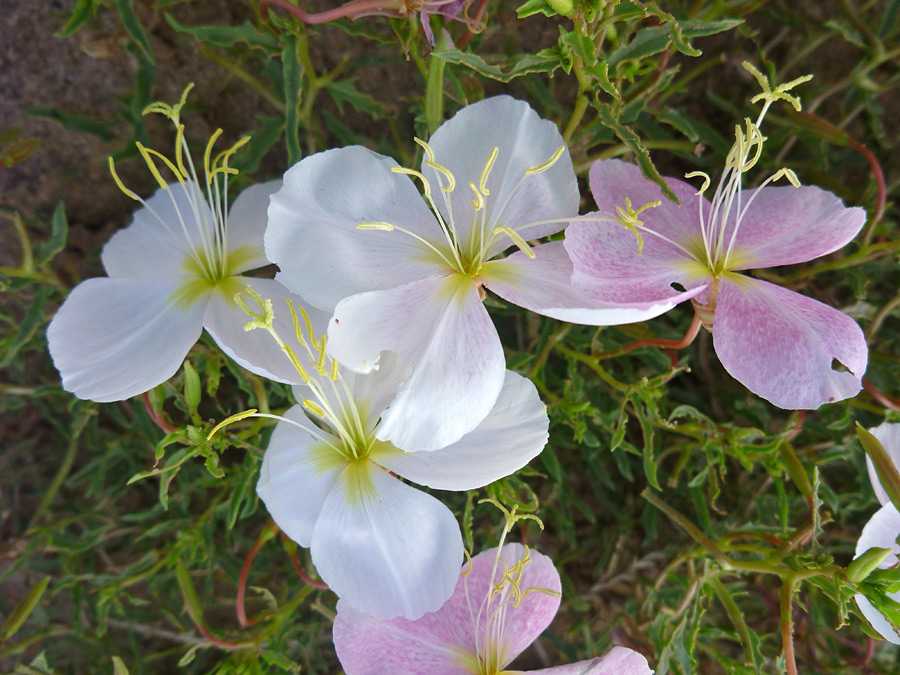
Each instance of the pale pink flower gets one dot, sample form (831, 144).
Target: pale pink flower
(502, 602)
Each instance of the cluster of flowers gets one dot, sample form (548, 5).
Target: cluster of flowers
(377, 318)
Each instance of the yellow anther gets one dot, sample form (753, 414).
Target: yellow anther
(789, 174)
(478, 202)
(486, 171)
(376, 225)
(224, 156)
(119, 183)
(628, 218)
(148, 154)
(426, 186)
(206, 155)
(297, 330)
(320, 366)
(446, 173)
(770, 95)
(231, 420)
(334, 370)
(706, 180)
(429, 153)
(468, 562)
(314, 408)
(517, 240)
(540, 168)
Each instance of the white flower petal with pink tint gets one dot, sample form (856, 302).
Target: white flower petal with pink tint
(781, 345)
(523, 140)
(881, 531)
(440, 327)
(385, 548)
(312, 234)
(617, 661)
(115, 338)
(788, 225)
(544, 285)
(888, 434)
(296, 477)
(513, 433)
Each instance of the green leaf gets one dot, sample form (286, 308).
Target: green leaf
(505, 69)
(889, 19)
(261, 141)
(655, 39)
(226, 36)
(887, 471)
(628, 137)
(119, 667)
(81, 13)
(71, 121)
(291, 74)
(532, 7)
(344, 91)
(189, 593)
(133, 27)
(192, 389)
(59, 230)
(27, 327)
(24, 609)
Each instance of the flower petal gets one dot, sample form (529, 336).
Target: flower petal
(463, 145)
(161, 235)
(609, 266)
(256, 350)
(787, 225)
(434, 643)
(440, 327)
(385, 548)
(881, 531)
(617, 661)
(247, 220)
(543, 285)
(782, 345)
(296, 476)
(888, 435)
(513, 433)
(115, 338)
(312, 234)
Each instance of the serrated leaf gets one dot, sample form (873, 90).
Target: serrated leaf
(291, 78)
(71, 121)
(27, 327)
(59, 230)
(226, 36)
(344, 91)
(133, 27)
(248, 159)
(654, 39)
(631, 139)
(23, 610)
(505, 69)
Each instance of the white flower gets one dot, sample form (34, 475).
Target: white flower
(172, 272)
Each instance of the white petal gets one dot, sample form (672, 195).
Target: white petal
(512, 434)
(256, 350)
(115, 338)
(523, 140)
(247, 223)
(443, 330)
(385, 548)
(881, 531)
(161, 236)
(312, 234)
(296, 477)
(888, 435)
(543, 285)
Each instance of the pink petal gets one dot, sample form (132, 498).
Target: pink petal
(787, 225)
(617, 661)
(888, 435)
(442, 329)
(881, 531)
(312, 234)
(781, 345)
(523, 140)
(544, 285)
(115, 338)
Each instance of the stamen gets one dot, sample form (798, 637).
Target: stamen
(706, 180)
(426, 186)
(540, 168)
(376, 225)
(207, 169)
(179, 142)
(446, 173)
(231, 420)
(148, 154)
(173, 112)
(120, 184)
(429, 153)
(478, 202)
(486, 172)
(517, 240)
(315, 409)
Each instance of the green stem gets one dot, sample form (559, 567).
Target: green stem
(786, 595)
(696, 534)
(243, 76)
(581, 103)
(734, 613)
(434, 88)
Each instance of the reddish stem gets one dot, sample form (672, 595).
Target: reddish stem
(350, 10)
(787, 627)
(877, 174)
(298, 568)
(222, 644)
(798, 427)
(157, 419)
(681, 343)
(886, 401)
(245, 572)
(475, 21)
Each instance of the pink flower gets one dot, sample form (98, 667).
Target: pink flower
(783, 346)
(502, 602)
